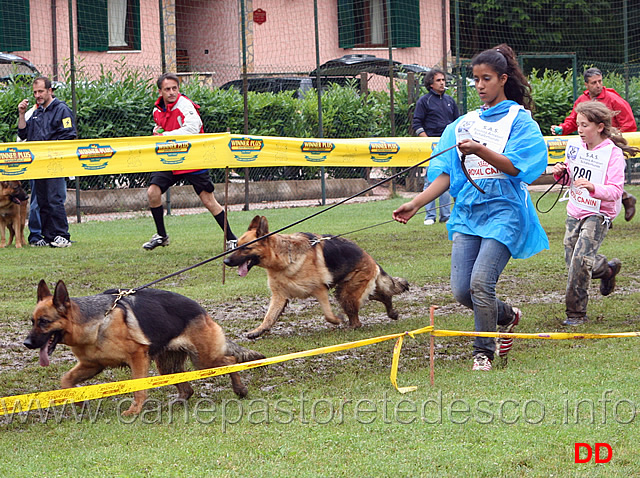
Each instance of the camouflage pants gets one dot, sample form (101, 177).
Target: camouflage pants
(582, 239)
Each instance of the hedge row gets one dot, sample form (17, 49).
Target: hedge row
(108, 108)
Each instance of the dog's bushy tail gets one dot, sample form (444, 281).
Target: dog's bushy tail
(242, 354)
(391, 285)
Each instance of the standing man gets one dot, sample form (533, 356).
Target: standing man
(434, 111)
(624, 120)
(51, 121)
(175, 114)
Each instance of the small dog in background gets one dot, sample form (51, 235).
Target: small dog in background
(303, 265)
(151, 324)
(13, 212)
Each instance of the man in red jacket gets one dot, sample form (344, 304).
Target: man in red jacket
(175, 114)
(624, 121)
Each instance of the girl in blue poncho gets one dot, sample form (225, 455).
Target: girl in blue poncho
(503, 150)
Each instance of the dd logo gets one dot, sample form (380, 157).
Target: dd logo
(593, 452)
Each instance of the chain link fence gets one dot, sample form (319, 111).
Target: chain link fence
(308, 69)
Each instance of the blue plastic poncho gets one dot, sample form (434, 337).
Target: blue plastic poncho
(505, 212)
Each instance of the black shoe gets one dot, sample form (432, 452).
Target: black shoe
(609, 283)
(155, 241)
(575, 320)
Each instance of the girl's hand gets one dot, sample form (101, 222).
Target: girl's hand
(404, 212)
(468, 146)
(558, 169)
(583, 183)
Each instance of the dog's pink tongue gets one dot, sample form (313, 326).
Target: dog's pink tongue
(243, 269)
(44, 356)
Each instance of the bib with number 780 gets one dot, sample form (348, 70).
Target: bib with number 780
(588, 164)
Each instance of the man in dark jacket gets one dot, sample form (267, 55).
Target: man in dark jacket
(51, 121)
(434, 111)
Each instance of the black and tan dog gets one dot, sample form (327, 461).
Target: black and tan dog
(13, 212)
(149, 325)
(303, 265)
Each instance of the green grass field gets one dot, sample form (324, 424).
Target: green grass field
(335, 414)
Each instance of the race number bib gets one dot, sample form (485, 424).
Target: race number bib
(492, 135)
(591, 165)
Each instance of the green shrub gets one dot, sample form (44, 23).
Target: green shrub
(120, 106)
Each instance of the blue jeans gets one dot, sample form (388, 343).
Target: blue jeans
(51, 195)
(445, 205)
(476, 265)
(35, 228)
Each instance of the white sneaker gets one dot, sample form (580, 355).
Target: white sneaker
(429, 222)
(231, 244)
(60, 241)
(481, 363)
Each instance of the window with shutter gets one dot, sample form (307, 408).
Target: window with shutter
(108, 25)
(363, 23)
(15, 32)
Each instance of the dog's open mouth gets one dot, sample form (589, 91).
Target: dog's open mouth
(47, 349)
(16, 199)
(245, 267)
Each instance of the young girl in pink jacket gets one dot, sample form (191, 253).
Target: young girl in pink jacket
(594, 170)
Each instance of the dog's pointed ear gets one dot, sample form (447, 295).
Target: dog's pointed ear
(43, 290)
(255, 222)
(263, 227)
(61, 297)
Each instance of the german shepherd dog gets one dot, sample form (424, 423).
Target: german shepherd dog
(303, 264)
(13, 212)
(150, 324)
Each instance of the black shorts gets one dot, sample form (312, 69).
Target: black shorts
(200, 180)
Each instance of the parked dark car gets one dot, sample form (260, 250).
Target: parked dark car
(342, 71)
(273, 85)
(14, 68)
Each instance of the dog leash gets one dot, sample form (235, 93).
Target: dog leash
(317, 240)
(564, 174)
(229, 251)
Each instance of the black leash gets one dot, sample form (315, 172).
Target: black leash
(466, 173)
(384, 222)
(560, 180)
(417, 165)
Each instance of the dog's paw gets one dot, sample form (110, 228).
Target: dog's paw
(336, 319)
(241, 391)
(254, 334)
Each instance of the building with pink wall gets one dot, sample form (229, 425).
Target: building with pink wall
(206, 36)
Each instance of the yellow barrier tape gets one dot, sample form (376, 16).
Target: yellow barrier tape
(549, 335)
(50, 159)
(32, 401)
(394, 364)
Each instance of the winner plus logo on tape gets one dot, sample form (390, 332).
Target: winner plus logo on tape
(246, 149)
(556, 147)
(172, 151)
(316, 151)
(94, 156)
(13, 161)
(383, 151)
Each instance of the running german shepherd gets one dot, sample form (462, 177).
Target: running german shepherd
(13, 212)
(304, 264)
(150, 324)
